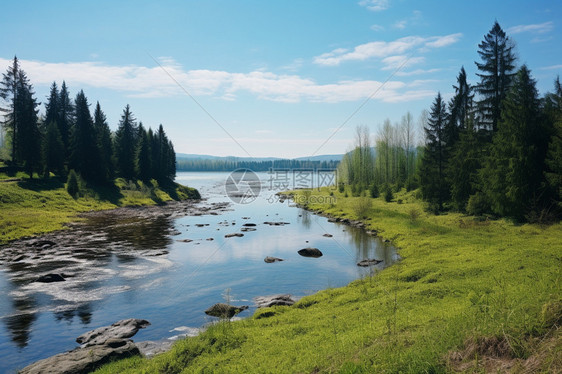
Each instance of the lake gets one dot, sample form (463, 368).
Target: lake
(126, 267)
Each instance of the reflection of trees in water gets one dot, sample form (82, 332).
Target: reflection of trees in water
(368, 247)
(84, 312)
(140, 233)
(304, 218)
(21, 322)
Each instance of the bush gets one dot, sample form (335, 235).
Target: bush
(362, 206)
(72, 184)
(388, 196)
(477, 204)
(341, 187)
(374, 190)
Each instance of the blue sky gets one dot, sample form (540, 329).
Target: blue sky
(278, 77)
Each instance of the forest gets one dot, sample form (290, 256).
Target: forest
(67, 141)
(184, 164)
(495, 149)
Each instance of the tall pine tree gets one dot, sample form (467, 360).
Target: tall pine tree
(66, 117)
(105, 144)
(84, 152)
(553, 173)
(496, 72)
(125, 144)
(143, 160)
(52, 150)
(513, 172)
(9, 92)
(434, 187)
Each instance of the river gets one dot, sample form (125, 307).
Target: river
(142, 268)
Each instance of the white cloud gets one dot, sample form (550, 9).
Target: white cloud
(400, 61)
(147, 82)
(539, 28)
(377, 27)
(552, 67)
(374, 5)
(416, 72)
(381, 49)
(400, 24)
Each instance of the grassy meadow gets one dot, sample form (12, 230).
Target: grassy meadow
(470, 294)
(37, 206)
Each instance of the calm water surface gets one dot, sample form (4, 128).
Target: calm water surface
(142, 270)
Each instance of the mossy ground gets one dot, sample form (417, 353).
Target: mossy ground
(37, 206)
(460, 280)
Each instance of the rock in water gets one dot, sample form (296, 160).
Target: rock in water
(310, 252)
(236, 234)
(270, 259)
(328, 235)
(83, 360)
(368, 262)
(125, 328)
(50, 278)
(268, 301)
(223, 310)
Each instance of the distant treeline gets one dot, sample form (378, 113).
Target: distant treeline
(68, 138)
(230, 165)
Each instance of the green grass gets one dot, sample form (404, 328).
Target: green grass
(33, 207)
(460, 280)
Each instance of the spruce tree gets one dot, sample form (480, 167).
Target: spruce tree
(432, 171)
(496, 73)
(104, 143)
(52, 150)
(27, 135)
(143, 162)
(553, 173)
(84, 152)
(9, 92)
(52, 110)
(65, 118)
(125, 145)
(513, 172)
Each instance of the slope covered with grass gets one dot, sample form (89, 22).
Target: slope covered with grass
(468, 294)
(32, 207)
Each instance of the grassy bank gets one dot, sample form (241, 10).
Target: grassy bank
(32, 207)
(469, 294)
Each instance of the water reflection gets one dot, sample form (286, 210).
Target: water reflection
(20, 322)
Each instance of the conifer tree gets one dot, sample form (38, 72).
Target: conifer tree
(27, 135)
(513, 172)
(496, 73)
(52, 108)
(143, 162)
(52, 150)
(9, 92)
(432, 171)
(104, 143)
(553, 173)
(65, 118)
(84, 152)
(125, 144)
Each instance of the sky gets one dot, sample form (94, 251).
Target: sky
(268, 78)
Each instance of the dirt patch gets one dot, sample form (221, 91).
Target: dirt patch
(496, 355)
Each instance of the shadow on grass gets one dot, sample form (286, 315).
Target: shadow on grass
(39, 185)
(110, 193)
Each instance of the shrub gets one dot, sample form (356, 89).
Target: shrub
(72, 184)
(477, 204)
(374, 190)
(362, 206)
(341, 187)
(388, 196)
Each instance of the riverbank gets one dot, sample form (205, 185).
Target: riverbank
(469, 294)
(39, 206)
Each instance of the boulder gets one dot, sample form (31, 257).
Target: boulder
(310, 252)
(246, 229)
(185, 240)
(268, 301)
(328, 235)
(125, 328)
(236, 234)
(83, 360)
(270, 259)
(223, 310)
(275, 223)
(368, 262)
(50, 278)
(249, 225)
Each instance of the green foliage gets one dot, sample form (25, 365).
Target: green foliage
(53, 150)
(125, 144)
(72, 186)
(496, 72)
(388, 195)
(512, 175)
(105, 145)
(374, 191)
(478, 204)
(341, 187)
